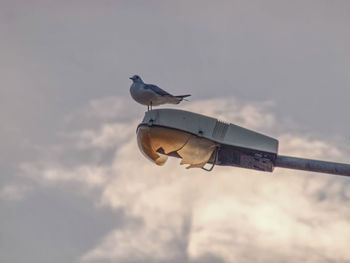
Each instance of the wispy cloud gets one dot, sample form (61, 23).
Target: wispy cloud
(14, 192)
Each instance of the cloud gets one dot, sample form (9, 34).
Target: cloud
(105, 110)
(14, 192)
(194, 216)
(300, 146)
(255, 115)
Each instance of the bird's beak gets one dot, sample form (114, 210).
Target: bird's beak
(131, 78)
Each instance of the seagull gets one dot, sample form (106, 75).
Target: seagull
(151, 95)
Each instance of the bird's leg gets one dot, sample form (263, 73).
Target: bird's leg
(151, 105)
(147, 107)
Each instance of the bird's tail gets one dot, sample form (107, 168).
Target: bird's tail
(182, 97)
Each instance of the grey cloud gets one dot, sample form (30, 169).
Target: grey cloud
(189, 216)
(52, 224)
(142, 193)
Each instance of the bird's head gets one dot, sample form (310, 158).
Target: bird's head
(136, 78)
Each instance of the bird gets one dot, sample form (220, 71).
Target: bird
(151, 95)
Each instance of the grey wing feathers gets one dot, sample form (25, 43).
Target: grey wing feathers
(157, 89)
(183, 96)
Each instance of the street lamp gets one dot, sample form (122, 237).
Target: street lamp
(198, 139)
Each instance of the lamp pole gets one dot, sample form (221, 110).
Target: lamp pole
(312, 165)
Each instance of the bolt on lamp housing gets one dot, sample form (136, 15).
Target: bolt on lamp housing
(199, 139)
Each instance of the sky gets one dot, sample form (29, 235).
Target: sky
(74, 186)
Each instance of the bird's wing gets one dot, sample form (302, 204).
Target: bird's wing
(156, 89)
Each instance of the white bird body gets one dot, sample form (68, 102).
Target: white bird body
(147, 96)
(151, 95)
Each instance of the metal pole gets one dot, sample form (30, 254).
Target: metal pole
(312, 165)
